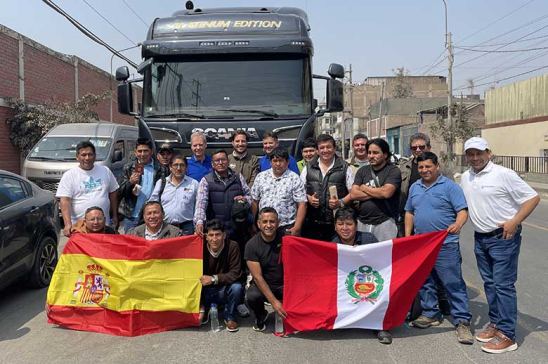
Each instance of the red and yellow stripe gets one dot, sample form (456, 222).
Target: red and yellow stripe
(125, 285)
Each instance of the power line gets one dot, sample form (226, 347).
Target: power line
(135, 13)
(497, 20)
(108, 21)
(88, 32)
(494, 45)
(506, 78)
(481, 55)
(504, 51)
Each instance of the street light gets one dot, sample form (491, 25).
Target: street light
(110, 81)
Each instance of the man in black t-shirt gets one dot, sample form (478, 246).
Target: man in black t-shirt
(377, 188)
(262, 253)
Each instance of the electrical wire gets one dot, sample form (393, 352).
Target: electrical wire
(135, 13)
(504, 51)
(88, 32)
(506, 78)
(108, 21)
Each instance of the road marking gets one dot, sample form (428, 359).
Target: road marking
(535, 226)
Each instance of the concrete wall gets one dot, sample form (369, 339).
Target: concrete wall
(520, 140)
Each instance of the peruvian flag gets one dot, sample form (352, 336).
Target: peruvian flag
(332, 286)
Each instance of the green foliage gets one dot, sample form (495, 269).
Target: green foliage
(402, 89)
(462, 129)
(31, 122)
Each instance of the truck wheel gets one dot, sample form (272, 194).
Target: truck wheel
(44, 263)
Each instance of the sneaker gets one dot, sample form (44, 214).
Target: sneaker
(487, 333)
(266, 303)
(243, 311)
(384, 337)
(464, 335)
(423, 322)
(259, 325)
(231, 325)
(499, 344)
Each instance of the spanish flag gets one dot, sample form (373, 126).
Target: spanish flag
(127, 286)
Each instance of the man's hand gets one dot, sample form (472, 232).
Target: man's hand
(206, 280)
(239, 198)
(334, 203)
(509, 229)
(134, 178)
(313, 200)
(114, 221)
(277, 307)
(66, 230)
(454, 228)
(199, 230)
(295, 231)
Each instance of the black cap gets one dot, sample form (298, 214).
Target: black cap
(240, 211)
(165, 146)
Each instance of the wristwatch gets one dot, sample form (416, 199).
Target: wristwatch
(215, 279)
(341, 202)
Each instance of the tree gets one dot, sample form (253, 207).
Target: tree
(402, 89)
(462, 128)
(32, 122)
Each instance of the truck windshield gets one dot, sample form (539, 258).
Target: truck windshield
(64, 148)
(231, 86)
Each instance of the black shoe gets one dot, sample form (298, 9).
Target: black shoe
(385, 337)
(259, 325)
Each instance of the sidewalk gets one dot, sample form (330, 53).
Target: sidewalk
(541, 188)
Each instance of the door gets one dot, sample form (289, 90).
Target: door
(16, 215)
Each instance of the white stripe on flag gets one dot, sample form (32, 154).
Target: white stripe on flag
(356, 313)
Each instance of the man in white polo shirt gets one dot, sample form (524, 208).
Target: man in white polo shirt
(498, 201)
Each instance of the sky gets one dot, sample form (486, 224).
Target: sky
(374, 37)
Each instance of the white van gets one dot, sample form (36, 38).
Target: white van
(55, 153)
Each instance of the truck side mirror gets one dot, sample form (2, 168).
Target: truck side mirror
(122, 73)
(334, 96)
(335, 70)
(125, 98)
(117, 157)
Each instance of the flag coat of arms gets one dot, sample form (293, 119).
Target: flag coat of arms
(124, 285)
(331, 286)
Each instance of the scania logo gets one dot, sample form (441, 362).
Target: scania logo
(225, 133)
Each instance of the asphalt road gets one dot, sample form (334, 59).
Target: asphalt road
(25, 336)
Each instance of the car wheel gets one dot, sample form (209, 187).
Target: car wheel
(44, 264)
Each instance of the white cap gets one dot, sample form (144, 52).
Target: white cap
(476, 143)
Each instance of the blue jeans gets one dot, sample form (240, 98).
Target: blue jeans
(129, 223)
(447, 271)
(497, 260)
(230, 296)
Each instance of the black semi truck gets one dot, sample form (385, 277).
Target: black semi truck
(219, 70)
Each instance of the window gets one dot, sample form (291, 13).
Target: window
(11, 190)
(119, 146)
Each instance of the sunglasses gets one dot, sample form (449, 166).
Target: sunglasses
(418, 147)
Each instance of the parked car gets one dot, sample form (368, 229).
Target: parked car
(55, 153)
(29, 232)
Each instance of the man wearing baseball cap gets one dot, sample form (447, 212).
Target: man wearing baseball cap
(498, 201)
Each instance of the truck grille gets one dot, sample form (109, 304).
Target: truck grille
(46, 185)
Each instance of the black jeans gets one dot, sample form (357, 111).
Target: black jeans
(255, 300)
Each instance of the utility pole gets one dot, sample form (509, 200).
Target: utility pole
(379, 125)
(351, 112)
(450, 59)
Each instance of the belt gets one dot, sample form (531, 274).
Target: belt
(496, 232)
(181, 224)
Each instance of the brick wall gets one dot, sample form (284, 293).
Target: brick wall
(48, 76)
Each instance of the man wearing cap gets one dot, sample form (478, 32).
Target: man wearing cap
(165, 152)
(240, 160)
(280, 188)
(498, 202)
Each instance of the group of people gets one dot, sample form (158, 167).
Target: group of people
(242, 205)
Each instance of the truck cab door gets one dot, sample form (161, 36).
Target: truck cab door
(118, 158)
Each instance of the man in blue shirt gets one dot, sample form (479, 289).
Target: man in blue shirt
(199, 164)
(437, 203)
(270, 142)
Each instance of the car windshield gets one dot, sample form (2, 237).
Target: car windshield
(64, 148)
(232, 86)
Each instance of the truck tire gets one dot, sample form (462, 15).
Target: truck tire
(44, 263)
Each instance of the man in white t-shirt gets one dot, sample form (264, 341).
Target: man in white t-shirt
(498, 201)
(85, 186)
